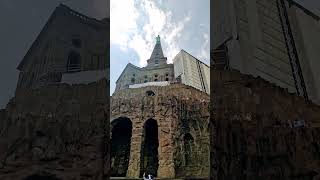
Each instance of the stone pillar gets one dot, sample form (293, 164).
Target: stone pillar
(135, 149)
(165, 150)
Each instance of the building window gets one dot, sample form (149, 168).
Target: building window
(167, 74)
(133, 74)
(146, 77)
(132, 80)
(167, 79)
(155, 79)
(156, 75)
(74, 62)
(76, 43)
(188, 148)
(150, 93)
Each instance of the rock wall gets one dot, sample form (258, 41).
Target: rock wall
(182, 115)
(260, 131)
(57, 132)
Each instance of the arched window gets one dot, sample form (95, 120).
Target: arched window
(132, 80)
(76, 42)
(188, 144)
(121, 134)
(74, 62)
(150, 93)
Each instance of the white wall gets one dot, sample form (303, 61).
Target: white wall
(187, 66)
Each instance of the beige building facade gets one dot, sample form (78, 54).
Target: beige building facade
(191, 71)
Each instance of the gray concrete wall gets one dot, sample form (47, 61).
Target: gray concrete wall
(306, 31)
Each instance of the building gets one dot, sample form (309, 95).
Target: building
(261, 50)
(185, 68)
(191, 71)
(59, 116)
(157, 70)
(260, 131)
(160, 118)
(276, 40)
(69, 43)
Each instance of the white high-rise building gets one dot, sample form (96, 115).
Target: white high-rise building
(192, 71)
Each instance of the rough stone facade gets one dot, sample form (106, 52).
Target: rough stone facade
(56, 132)
(260, 131)
(180, 116)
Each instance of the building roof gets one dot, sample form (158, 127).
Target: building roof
(157, 50)
(157, 53)
(62, 9)
(128, 66)
(184, 51)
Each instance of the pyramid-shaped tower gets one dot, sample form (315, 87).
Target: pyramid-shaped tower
(157, 58)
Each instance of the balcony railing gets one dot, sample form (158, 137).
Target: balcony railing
(73, 68)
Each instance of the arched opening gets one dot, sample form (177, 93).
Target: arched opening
(120, 146)
(188, 144)
(74, 62)
(76, 42)
(150, 93)
(149, 150)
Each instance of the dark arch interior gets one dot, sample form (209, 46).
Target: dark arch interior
(120, 146)
(74, 61)
(150, 93)
(188, 143)
(149, 151)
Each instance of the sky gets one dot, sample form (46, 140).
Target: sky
(134, 25)
(21, 22)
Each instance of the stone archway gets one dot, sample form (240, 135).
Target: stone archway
(120, 146)
(188, 149)
(149, 161)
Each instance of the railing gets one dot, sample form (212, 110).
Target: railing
(74, 68)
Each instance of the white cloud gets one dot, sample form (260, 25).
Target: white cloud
(140, 45)
(125, 32)
(204, 54)
(159, 23)
(123, 22)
